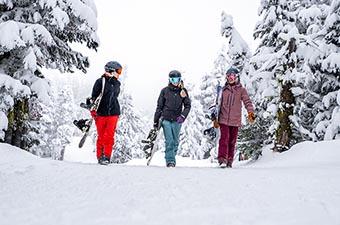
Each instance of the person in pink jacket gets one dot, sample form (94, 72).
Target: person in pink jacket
(229, 116)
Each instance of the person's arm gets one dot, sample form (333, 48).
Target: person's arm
(96, 90)
(249, 106)
(187, 105)
(116, 84)
(159, 109)
(246, 101)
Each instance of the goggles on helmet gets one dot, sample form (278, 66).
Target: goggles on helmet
(174, 80)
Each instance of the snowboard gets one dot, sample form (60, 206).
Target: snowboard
(149, 142)
(213, 114)
(85, 124)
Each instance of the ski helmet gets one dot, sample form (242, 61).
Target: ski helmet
(175, 73)
(112, 66)
(232, 70)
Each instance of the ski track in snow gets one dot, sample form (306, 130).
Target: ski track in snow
(281, 189)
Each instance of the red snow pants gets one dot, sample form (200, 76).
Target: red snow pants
(226, 149)
(106, 127)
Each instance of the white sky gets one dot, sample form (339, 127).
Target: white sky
(153, 37)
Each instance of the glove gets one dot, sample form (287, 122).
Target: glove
(93, 114)
(216, 124)
(180, 119)
(251, 117)
(155, 125)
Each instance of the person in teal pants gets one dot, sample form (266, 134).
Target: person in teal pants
(173, 106)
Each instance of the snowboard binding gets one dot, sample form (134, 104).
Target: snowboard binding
(83, 124)
(210, 132)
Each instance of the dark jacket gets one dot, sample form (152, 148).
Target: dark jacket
(170, 104)
(109, 105)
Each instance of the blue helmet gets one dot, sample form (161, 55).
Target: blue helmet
(112, 66)
(175, 73)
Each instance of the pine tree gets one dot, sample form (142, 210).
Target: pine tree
(320, 112)
(276, 64)
(192, 141)
(36, 35)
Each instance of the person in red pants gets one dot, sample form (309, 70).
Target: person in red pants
(229, 116)
(107, 114)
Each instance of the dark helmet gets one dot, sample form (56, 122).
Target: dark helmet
(175, 73)
(112, 66)
(232, 70)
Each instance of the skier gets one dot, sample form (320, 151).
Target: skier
(173, 106)
(229, 116)
(107, 114)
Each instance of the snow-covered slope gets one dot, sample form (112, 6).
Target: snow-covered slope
(301, 186)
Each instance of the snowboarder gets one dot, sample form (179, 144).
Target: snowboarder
(107, 114)
(173, 106)
(229, 116)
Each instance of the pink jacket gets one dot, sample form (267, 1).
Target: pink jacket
(230, 106)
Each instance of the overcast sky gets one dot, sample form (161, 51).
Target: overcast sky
(153, 37)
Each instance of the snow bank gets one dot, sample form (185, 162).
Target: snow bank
(305, 154)
(297, 187)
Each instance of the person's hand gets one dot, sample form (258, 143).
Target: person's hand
(93, 114)
(251, 117)
(155, 125)
(216, 124)
(180, 119)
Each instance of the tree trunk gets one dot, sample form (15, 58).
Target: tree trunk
(284, 132)
(16, 124)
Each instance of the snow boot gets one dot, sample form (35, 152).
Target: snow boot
(104, 160)
(229, 164)
(170, 164)
(223, 164)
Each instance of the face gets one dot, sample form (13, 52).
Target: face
(231, 78)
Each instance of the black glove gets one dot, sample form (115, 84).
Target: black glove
(155, 125)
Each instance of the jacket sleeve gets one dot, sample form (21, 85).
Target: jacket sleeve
(97, 88)
(160, 106)
(187, 105)
(246, 101)
(116, 85)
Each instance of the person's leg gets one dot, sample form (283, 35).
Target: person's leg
(109, 136)
(176, 129)
(223, 143)
(233, 131)
(100, 124)
(169, 141)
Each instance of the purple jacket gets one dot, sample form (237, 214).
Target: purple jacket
(230, 105)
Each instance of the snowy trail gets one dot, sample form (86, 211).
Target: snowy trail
(40, 191)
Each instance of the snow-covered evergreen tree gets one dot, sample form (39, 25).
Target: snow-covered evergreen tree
(238, 49)
(53, 119)
(37, 34)
(319, 114)
(193, 144)
(276, 65)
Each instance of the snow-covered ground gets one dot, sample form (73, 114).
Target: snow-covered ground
(301, 186)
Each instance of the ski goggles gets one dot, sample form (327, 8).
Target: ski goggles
(174, 80)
